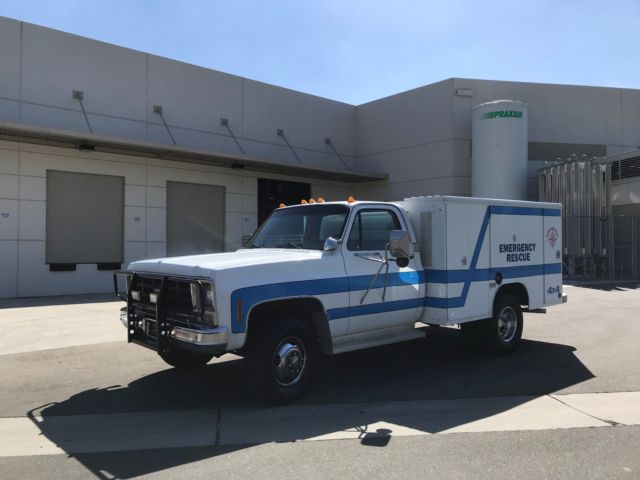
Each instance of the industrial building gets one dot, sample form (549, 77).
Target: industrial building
(109, 155)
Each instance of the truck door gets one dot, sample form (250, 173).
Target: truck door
(368, 235)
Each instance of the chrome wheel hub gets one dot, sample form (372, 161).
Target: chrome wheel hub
(289, 361)
(507, 324)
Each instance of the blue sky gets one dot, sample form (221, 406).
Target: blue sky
(360, 50)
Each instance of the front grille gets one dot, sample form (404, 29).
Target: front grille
(176, 295)
(146, 285)
(151, 323)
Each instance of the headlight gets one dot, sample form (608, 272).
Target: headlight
(196, 298)
(209, 294)
(210, 315)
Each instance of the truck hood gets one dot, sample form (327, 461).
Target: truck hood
(207, 265)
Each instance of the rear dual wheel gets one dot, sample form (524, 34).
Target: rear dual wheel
(502, 332)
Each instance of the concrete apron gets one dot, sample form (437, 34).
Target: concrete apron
(26, 436)
(30, 328)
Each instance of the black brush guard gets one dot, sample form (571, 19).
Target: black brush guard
(154, 325)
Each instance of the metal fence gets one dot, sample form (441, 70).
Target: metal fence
(626, 247)
(597, 244)
(602, 248)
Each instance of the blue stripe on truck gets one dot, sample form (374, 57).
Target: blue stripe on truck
(459, 276)
(479, 274)
(251, 296)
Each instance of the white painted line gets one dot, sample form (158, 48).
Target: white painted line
(542, 413)
(619, 407)
(106, 433)
(169, 429)
(346, 421)
(21, 436)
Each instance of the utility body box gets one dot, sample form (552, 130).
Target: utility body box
(471, 247)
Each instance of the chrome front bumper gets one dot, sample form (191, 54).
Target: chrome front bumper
(206, 339)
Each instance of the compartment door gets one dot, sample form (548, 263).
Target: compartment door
(552, 257)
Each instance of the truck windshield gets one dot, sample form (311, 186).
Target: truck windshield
(300, 227)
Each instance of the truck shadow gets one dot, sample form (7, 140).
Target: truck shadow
(437, 368)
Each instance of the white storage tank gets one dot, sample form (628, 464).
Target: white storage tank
(499, 150)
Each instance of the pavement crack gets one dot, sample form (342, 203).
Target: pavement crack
(610, 422)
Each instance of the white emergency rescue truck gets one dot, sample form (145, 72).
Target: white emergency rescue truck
(341, 276)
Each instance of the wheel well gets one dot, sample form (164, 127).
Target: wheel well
(310, 310)
(516, 290)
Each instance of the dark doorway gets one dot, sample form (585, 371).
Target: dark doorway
(271, 193)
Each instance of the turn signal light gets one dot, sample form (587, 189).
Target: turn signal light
(239, 311)
(351, 199)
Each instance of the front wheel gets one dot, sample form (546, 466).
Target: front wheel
(282, 360)
(502, 332)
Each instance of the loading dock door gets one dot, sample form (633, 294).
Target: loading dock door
(195, 218)
(84, 218)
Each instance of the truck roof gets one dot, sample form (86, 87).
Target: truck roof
(340, 202)
(444, 198)
(486, 201)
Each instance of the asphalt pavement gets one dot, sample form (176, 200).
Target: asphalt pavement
(77, 401)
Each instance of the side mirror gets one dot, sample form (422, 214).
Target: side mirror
(331, 244)
(399, 243)
(400, 246)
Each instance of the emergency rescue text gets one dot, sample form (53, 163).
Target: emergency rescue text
(518, 252)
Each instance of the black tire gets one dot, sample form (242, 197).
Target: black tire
(282, 358)
(502, 332)
(185, 359)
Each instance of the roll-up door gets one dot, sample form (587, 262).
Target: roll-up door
(84, 218)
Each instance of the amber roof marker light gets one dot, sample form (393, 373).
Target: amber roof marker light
(351, 199)
(282, 205)
(303, 202)
(320, 200)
